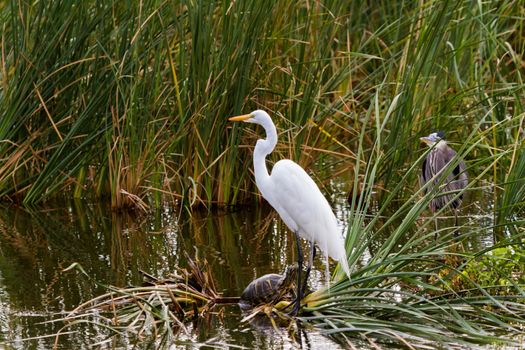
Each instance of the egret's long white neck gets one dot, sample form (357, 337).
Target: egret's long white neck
(262, 149)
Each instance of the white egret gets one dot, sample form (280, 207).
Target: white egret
(297, 199)
(436, 162)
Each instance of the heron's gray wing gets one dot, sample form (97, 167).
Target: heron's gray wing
(459, 177)
(423, 178)
(456, 181)
(434, 164)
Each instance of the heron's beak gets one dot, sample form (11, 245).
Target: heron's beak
(426, 140)
(240, 118)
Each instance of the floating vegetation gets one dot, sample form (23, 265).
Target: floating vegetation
(162, 305)
(156, 307)
(127, 101)
(349, 311)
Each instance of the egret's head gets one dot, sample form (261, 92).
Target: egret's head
(257, 117)
(434, 138)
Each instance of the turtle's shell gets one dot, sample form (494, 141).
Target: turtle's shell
(262, 290)
(268, 289)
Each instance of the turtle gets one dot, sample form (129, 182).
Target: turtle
(269, 289)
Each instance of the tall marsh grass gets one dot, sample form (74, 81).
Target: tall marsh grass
(128, 100)
(410, 285)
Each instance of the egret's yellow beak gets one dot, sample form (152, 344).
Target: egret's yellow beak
(240, 118)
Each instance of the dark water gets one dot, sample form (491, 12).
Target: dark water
(36, 246)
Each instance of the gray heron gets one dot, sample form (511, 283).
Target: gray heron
(438, 161)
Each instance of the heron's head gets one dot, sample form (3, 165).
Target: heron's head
(258, 117)
(434, 138)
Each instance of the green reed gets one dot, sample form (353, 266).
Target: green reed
(129, 100)
(409, 284)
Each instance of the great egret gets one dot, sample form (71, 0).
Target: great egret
(436, 162)
(297, 199)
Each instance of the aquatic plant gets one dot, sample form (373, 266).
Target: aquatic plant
(162, 308)
(158, 308)
(129, 100)
(409, 287)
(406, 289)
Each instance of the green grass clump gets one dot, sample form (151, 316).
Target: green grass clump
(410, 284)
(129, 100)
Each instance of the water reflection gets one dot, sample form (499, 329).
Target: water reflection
(36, 246)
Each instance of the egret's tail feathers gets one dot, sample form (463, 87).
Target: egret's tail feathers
(344, 265)
(336, 249)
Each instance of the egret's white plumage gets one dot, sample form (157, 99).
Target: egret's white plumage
(294, 195)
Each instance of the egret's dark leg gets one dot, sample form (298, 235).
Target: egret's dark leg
(297, 302)
(310, 263)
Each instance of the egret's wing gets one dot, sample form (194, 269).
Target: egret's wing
(299, 201)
